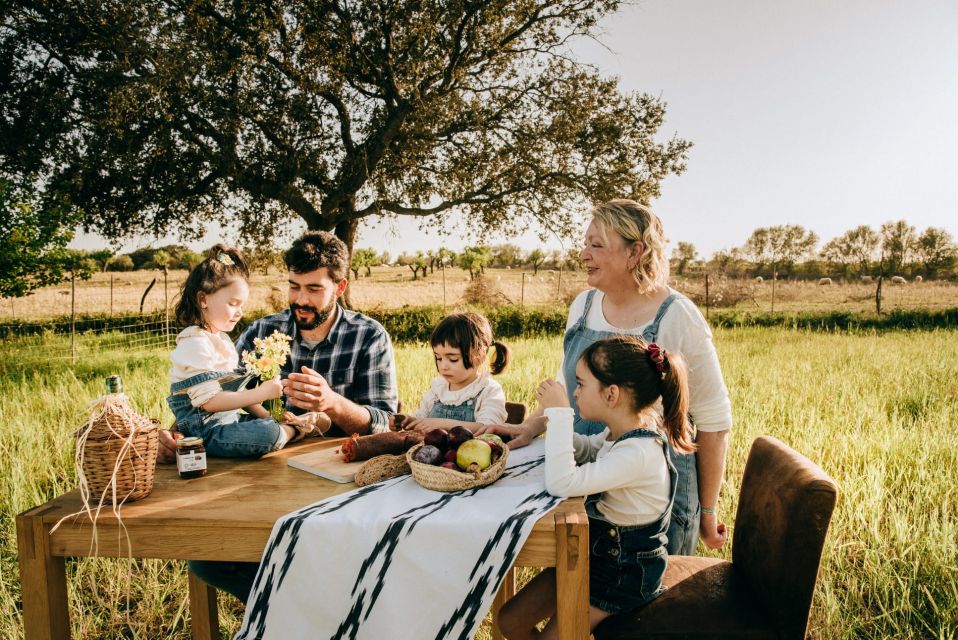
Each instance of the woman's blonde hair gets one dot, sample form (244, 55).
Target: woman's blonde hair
(635, 222)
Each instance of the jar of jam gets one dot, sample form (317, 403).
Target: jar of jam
(191, 458)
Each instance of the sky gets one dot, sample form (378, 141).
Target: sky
(827, 114)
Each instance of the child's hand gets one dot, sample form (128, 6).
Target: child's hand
(419, 424)
(552, 394)
(272, 389)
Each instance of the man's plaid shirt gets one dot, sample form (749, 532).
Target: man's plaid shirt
(356, 358)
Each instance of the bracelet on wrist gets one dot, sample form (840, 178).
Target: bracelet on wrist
(707, 511)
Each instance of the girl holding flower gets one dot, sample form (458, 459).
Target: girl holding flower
(207, 387)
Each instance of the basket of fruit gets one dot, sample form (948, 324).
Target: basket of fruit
(455, 460)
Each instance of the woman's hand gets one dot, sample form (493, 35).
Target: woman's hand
(516, 435)
(712, 532)
(552, 394)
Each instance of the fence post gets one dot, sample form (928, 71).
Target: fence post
(111, 296)
(166, 309)
(706, 296)
(73, 317)
(522, 292)
(559, 283)
(442, 265)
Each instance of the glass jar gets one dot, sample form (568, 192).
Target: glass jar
(191, 458)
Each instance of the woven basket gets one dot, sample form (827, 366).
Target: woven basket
(442, 479)
(108, 460)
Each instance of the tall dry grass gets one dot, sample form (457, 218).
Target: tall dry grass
(876, 411)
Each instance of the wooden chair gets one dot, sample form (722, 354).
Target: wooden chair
(515, 412)
(785, 505)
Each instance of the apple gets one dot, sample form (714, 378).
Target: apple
(458, 435)
(490, 437)
(474, 452)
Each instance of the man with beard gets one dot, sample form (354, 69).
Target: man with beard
(341, 364)
(342, 361)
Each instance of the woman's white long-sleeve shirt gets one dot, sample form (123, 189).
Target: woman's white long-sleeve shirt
(632, 475)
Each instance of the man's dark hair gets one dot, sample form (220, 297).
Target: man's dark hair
(315, 249)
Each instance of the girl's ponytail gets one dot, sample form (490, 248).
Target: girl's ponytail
(503, 357)
(675, 402)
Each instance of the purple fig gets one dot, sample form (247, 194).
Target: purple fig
(428, 454)
(438, 438)
(450, 455)
(458, 435)
(449, 465)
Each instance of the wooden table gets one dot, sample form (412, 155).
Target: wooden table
(228, 515)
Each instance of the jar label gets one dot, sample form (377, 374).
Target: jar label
(190, 462)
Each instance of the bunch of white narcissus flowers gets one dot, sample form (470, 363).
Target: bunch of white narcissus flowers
(268, 356)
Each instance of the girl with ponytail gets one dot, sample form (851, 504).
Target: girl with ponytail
(463, 393)
(625, 471)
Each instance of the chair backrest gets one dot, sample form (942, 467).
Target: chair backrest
(785, 505)
(515, 412)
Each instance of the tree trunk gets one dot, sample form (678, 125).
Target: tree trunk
(346, 231)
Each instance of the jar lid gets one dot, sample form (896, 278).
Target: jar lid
(188, 442)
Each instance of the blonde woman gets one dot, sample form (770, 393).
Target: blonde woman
(624, 256)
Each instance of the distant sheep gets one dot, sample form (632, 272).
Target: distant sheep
(898, 280)
(824, 281)
(759, 279)
(867, 279)
(918, 279)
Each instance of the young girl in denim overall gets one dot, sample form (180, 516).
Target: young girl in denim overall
(463, 393)
(625, 470)
(207, 387)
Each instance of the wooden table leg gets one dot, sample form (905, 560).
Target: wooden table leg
(506, 591)
(572, 576)
(205, 622)
(43, 581)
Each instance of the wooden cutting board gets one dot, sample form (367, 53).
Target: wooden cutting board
(327, 463)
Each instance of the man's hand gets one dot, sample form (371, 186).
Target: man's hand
(712, 532)
(309, 390)
(166, 453)
(516, 435)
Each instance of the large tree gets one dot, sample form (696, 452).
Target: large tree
(159, 115)
(935, 250)
(854, 247)
(898, 240)
(780, 246)
(33, 243)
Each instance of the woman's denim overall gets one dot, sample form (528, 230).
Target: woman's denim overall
(465, 412)
(684, 526)
(226, 434)
(626, 563)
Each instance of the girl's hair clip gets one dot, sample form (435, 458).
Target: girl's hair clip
(657, 356)
(225, 260)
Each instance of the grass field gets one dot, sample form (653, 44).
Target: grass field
(393, 287)
(877, 411)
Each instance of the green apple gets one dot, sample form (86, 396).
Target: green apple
(474, 452)
(491, 437)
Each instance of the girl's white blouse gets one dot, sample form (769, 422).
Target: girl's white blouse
(197, 351)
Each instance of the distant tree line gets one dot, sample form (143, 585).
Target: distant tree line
(793, 252)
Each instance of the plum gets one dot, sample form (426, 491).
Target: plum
(449, 465)
(496, 449)
(458, 435)
(450, 455)
(428, 454)
(438, 438)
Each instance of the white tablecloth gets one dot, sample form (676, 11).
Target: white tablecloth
(394, 560)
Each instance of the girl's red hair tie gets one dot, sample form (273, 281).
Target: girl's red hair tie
(657, 356)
